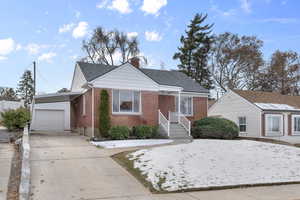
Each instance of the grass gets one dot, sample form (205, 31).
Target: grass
(121, 159)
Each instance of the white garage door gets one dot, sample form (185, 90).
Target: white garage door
(49, 120)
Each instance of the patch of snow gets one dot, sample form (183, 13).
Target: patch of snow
(274, 106)
(209, 163)
(130, 143)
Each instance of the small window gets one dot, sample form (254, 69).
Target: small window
(296, 124)
(83, 105)
(126, 101)
(242, 124)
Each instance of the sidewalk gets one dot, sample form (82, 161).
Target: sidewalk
(6, 154)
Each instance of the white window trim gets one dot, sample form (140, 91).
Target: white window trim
(83, 105)
(294, 132)
(126, 113)
(192, 105)
(272, 133)
(242, 124)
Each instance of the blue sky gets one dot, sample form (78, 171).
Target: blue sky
(51, 32)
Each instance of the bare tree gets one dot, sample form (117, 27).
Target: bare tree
(282, 73)
(110, 47)
(235, 61)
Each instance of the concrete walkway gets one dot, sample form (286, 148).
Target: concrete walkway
(6, 154)
(67, 167)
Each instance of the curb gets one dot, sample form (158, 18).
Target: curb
(24, 188)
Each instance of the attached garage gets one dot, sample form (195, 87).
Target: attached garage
(51, 112)
(49, 119)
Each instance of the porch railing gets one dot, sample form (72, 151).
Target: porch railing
(185, 123)
(164, 123)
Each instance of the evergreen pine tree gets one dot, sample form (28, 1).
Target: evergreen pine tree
(26, 88)
(194, 51)
(104, 117)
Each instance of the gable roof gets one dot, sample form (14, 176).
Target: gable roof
(162, 77)
(270, 100)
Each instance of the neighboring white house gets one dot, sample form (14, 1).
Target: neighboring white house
(261, 114)
(8, 105)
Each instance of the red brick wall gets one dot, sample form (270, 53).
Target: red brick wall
(166, 103)
(149, 109)
(151, 102)
(78, 119)
(199, 108)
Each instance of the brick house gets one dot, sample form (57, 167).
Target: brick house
(136, 96)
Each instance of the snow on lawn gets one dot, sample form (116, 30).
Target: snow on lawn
(130, 143)
(209, 163)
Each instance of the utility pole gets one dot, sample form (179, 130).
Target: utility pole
(34, 77)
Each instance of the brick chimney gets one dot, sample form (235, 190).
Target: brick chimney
(135, 61)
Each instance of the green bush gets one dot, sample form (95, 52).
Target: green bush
(104, 117)
(119, 132)
(15, 119)
(216, 128)
(143, 132)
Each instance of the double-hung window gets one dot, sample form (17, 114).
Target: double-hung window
(296, 124)
(126, 101)
(242, 124)
(186, 105)
(274, 126)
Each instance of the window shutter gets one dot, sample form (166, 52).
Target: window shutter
(263, 124)
(290, 128)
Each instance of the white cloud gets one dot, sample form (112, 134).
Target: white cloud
(47, 57)
(284, 2)
(153, 36)
(66, 28)
(121, 6)
(102, 4)
(132, 34)
(19, 47)
(225, 13)
(77, 14)
(6, 46)
(280, 20)
(3, 58)
(34, 48)
(153, 6)
(74, 57)
(246, 6)
(80, 30)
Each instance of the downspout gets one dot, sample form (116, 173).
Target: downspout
(93, 112)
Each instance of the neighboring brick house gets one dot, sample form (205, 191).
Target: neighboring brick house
(261, 114)
(136, 96)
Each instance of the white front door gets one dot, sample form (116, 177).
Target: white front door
(274, 124)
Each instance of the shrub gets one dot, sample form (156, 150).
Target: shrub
(143, 131)
(15, 119)
(119, 132)
(104, 117)
(217, 128)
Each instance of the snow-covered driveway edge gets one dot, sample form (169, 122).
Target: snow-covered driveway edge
(131, 143)
(183, 169)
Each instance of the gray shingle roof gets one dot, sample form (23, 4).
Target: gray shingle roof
(162, 77)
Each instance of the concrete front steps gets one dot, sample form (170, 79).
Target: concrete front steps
(177, 131)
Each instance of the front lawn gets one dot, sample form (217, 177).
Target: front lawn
(207, 164)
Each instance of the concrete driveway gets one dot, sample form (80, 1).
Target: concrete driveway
(6, 154)
(67, 167)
